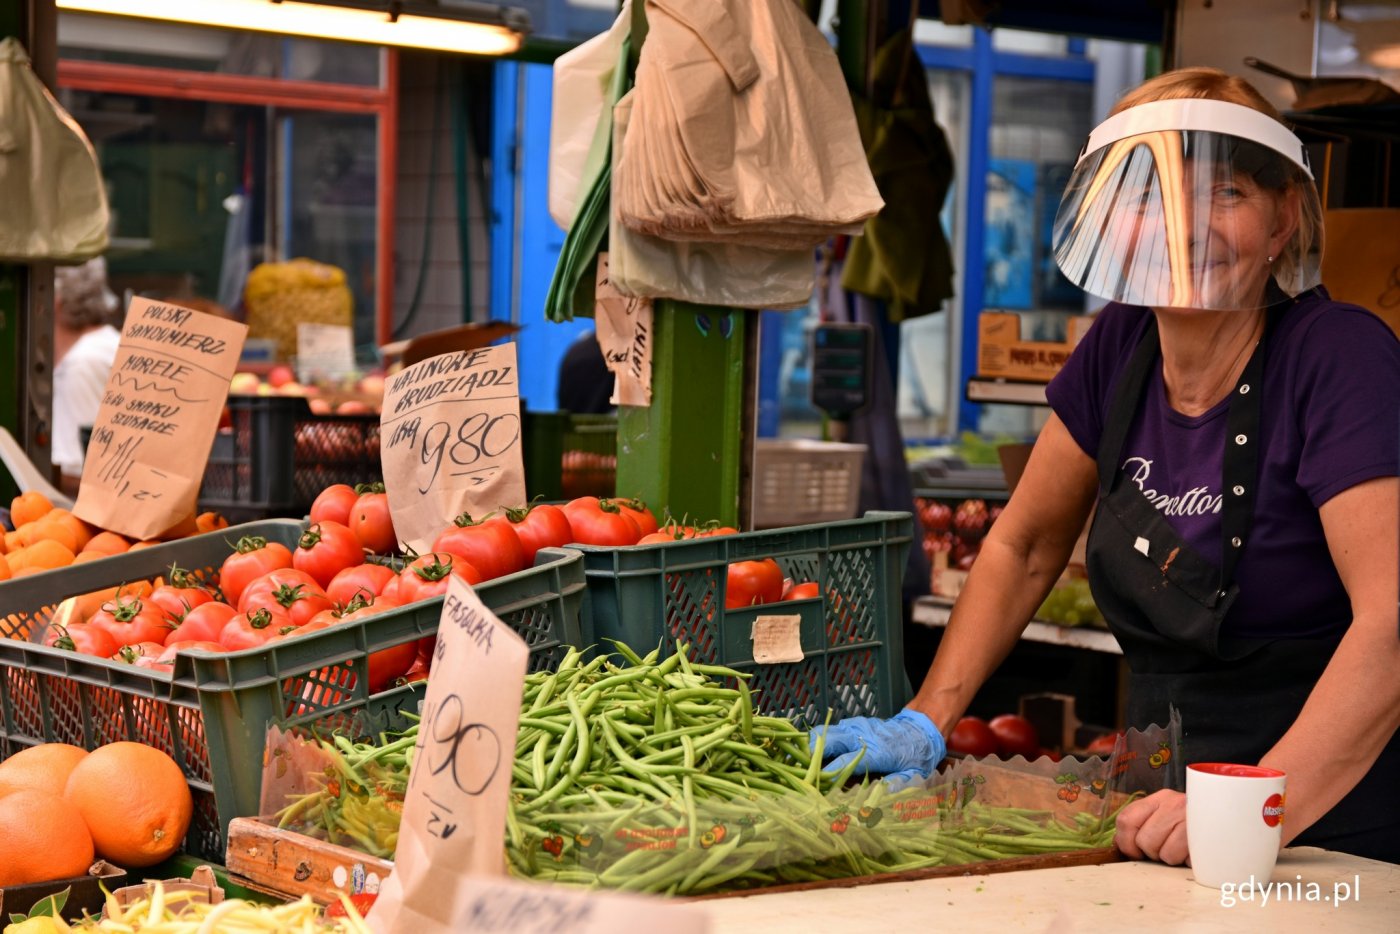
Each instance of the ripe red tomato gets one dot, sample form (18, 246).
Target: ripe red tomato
(326, 549)
(182, 594)
(252, 630)
(539, 526)
(79, 637)
(360, 606)
(370, 578)
(388, 665)
(490, 545)
(640, 514)
(289, 578)
(972, 737)
(202, 624)
(334, 503)
(751, 583)
(427, 576)
(253, 557)
(1103, 745)
(601, 523)
(666, 535)
(142, 655)
(1015, 736)
(803, 591)
(128, 621)
(299, 601)
(371, 522)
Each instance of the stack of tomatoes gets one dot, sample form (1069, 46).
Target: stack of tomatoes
(345, 568)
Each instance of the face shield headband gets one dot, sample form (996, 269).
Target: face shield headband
(1190, 203)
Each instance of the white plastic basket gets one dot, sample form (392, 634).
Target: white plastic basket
(799, 482)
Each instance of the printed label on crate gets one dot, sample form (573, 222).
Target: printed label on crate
(324, 352)
(777, 639)
(160, 412)
(454, 810)
(450, 441)
(625, 336)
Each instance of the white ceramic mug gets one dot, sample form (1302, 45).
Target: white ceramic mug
(1234, 822)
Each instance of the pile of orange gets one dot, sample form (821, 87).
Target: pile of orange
(48, 537)
(61, 807)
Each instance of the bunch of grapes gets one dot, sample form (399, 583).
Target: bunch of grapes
(1070, 604)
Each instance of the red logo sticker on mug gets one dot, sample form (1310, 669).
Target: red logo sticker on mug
(1273, 810)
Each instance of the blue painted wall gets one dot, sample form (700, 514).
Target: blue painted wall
(525, 241)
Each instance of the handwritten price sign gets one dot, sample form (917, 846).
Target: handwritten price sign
(160, 411)
(451, 441)
(454, 813)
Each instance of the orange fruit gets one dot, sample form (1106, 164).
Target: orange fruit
(45, 555)
(42, 838)
(26, 507)
(53, 529)
(40, 768)
(107, 543)
(4, 569)
(135, 801)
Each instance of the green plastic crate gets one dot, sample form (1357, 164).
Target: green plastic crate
(569, 455)
(211, 713)
(852, 637)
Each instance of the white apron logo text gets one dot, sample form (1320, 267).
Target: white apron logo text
(1197, 501)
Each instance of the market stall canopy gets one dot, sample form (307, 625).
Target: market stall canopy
(741, 130)
(55, 205)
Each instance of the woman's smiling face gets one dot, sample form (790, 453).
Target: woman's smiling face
(1215, 246)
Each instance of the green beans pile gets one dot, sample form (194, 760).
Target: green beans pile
(659, 776)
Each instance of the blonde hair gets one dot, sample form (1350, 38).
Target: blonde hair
(1214, 84)
(1200, 82)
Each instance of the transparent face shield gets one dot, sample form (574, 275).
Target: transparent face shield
(1190, 204)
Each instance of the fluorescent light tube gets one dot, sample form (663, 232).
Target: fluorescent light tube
(412, 28)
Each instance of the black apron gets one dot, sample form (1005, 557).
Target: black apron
(1165, 604)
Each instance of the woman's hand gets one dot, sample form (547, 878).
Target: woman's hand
(1154, 828)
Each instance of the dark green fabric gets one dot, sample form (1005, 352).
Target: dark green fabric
(903, 258)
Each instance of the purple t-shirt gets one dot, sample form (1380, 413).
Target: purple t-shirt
(1330, 420)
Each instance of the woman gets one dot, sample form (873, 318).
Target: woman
(85, 344)
(1240, 434)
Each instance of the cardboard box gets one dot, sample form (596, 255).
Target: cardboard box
(84, 892)
(1002, 354)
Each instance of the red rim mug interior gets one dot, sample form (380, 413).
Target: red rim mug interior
(1235, 771)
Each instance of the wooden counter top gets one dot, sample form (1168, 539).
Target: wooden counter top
(1117, 897)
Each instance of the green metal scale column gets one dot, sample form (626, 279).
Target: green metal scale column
(690, 449)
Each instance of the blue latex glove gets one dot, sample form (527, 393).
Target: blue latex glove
(905, 748)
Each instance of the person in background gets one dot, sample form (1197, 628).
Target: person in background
(85, 344)
(1240, 433)
(585, 382)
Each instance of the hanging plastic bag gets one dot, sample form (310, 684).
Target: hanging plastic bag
(579, 124)
(743, 130)
(723, 274)
(55, 205)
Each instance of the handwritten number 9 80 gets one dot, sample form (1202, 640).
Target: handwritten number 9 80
(479, 435)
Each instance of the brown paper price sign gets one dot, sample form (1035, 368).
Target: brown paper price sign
(625, 337)
(160, 412)
(450, 435)
(454, 812)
